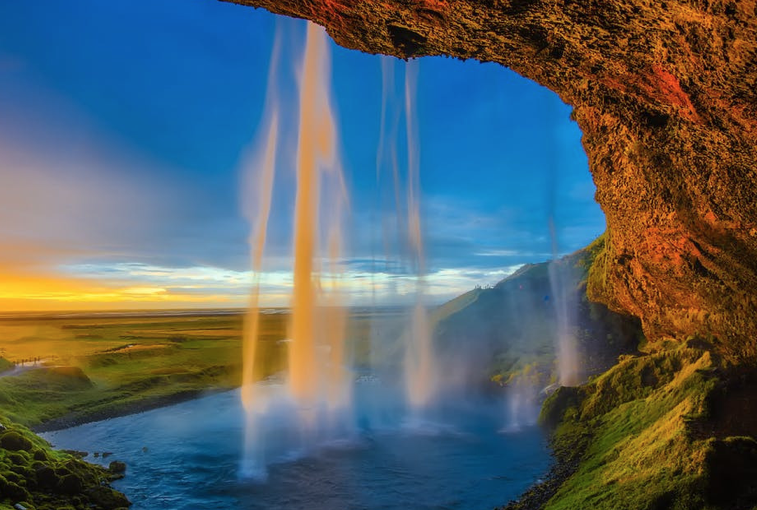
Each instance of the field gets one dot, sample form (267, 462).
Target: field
(57, 370)
(95, 367)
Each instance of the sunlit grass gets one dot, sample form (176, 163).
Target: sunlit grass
(633, 425)
(129, 361)
(137, 362)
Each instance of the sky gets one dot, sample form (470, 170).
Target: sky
(126, 126)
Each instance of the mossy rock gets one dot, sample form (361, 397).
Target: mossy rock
(69, 484)
(107, 498)
(13, 441)
(26, 473)
(62, 471)
(12, 490)
(46, 477)
(12, 477)
(17, 459)
(555, 406)
(117, 467)
(30, 471)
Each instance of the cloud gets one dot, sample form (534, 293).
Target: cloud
(53, 292)
(115, 189)
(129, 286)
(72, 190)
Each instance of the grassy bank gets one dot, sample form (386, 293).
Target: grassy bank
(653, 433)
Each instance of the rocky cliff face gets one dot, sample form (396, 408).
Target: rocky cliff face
(666, 95)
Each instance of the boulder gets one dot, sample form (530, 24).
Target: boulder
(13, 441)
(117, 467)
(69, 484)
(12, 490)
(107, 499)
(46, 477)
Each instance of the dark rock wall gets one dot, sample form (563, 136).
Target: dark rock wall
(666, 95)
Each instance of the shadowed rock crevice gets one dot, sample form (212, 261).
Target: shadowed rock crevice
(666, 96)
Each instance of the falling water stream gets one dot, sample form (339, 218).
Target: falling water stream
(318, 379)
(266, 162)
(563, 283)
(419, 360)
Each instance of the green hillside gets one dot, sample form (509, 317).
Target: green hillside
(512, 327)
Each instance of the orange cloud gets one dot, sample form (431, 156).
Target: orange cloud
(30, 292)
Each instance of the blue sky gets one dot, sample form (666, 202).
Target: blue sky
(125, 123)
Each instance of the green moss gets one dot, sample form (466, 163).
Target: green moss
(632, 427)
(34, 474)
(12, 441)
(557, 405)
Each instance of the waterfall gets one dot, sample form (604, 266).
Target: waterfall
(318, 384)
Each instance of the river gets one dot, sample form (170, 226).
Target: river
(187, 456)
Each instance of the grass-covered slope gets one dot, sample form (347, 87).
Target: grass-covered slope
(651, 433)
(633, 419)
(37, 477)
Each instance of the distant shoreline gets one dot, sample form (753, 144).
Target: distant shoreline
(73, 420)
(193, 312)
(120, 314)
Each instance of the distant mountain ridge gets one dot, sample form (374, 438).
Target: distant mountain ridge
(504, 328)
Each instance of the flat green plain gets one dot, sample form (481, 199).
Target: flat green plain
(95, 367)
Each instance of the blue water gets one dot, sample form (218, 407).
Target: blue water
(187, 456)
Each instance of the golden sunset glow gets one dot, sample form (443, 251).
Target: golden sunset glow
(20, 292)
